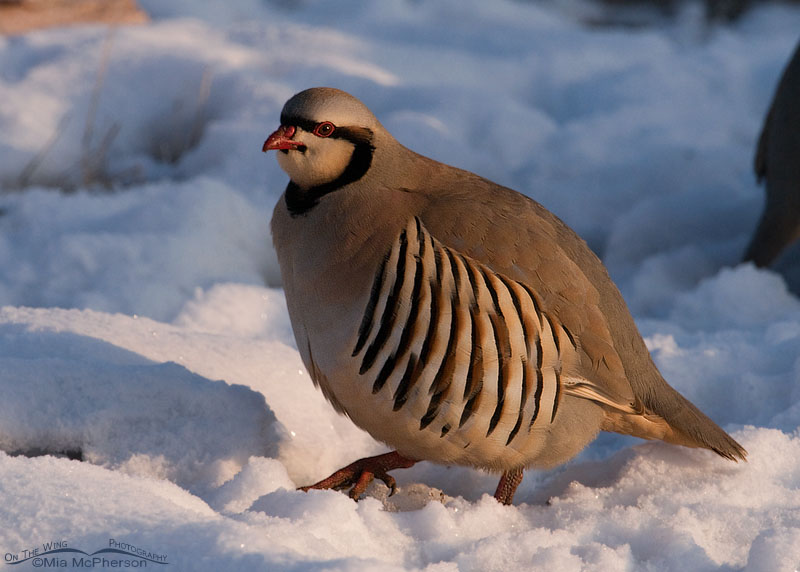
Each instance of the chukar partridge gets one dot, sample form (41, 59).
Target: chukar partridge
(778, 161)
(455, 320)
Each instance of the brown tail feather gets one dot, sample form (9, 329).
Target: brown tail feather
(683, 425)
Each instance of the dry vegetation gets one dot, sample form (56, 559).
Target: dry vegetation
(20, 16)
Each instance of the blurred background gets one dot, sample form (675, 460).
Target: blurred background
(130, 164)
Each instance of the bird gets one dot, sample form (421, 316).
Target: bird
(777, 161)
(453, 319)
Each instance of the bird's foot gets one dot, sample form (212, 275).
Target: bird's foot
(361, 473)
(508, 486)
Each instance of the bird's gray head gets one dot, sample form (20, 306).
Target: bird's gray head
(325, 141)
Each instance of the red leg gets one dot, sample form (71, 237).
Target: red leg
(508, 486)
(360, 474)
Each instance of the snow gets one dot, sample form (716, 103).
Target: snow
(143, 328)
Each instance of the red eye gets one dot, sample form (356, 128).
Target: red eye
(324, 129)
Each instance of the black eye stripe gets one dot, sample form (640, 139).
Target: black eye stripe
(303, 124)
(356, 135)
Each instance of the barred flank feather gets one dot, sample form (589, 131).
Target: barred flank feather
(442, 302)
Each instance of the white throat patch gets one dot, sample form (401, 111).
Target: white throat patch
(323, 161)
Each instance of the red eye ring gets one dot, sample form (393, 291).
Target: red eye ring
(324, 129)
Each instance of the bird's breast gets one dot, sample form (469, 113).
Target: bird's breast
(442, 358)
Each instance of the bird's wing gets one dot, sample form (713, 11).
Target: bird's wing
(519, 239)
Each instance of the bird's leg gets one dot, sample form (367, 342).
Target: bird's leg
(360, 474)
(508, 486)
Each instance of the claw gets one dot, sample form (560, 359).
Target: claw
(391, 483)
(361, 473)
